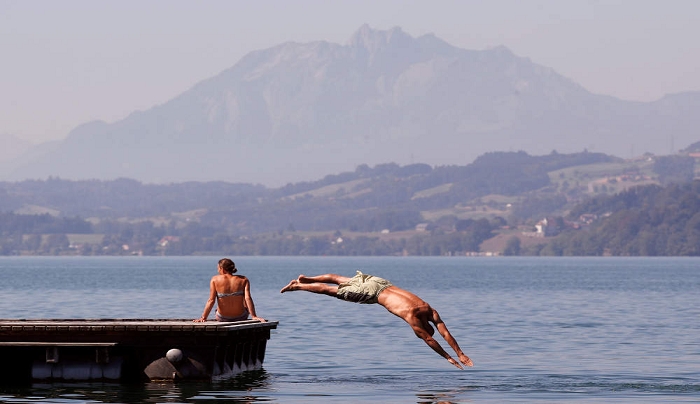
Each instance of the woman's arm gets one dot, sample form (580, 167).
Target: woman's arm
(249, 302)
(210, 303)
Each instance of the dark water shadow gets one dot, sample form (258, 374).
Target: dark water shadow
(242, 388)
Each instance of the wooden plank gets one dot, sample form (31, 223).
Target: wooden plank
(59, 344)
(87, 327)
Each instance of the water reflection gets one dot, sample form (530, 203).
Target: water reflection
(240, 389)
(442, 397)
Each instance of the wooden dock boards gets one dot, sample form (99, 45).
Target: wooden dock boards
(123, 324)
(130, 349)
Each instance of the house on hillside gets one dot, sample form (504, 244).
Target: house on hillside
(588, 218)
(167, 240)
(422, 227)
(546, 229)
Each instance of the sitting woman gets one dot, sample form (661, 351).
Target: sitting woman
(231, 293)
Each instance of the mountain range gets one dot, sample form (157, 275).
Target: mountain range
(298, 111)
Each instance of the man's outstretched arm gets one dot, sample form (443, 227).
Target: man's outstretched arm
(442, 329)
(432, 343)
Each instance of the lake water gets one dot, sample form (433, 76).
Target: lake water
(537, 329)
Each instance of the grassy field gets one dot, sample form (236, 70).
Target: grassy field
(36, 210)
(330, 190)
(608, 178)
(498, 243)
(85, 238)
(426, 193)
(464, 212)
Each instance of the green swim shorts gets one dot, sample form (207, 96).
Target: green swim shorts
(362, 288)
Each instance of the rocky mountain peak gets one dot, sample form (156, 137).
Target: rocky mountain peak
(373, 40)
(295, 111)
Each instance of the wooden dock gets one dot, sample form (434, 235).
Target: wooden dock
(130, 349)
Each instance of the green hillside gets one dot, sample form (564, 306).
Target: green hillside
(383, 210)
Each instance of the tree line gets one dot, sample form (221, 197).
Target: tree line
(649, 220)
(368, 199)
(644, 221)
(48, 235)
(128, 217)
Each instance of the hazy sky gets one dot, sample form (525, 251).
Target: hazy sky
(63, 63)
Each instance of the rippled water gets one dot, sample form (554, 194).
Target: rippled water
(537, 329)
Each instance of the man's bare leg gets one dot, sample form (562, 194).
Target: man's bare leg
(320, 281)
(290, 286)
(320, 288)
(325, 278)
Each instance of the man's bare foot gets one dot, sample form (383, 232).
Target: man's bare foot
(465, 360)
(304, 279)
(290, 286)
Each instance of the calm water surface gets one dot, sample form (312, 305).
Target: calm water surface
(537, 329)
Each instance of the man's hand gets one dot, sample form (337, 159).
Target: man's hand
(465, 360)
(454, 362)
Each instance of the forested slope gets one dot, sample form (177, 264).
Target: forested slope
(650, 220)
(384, 210)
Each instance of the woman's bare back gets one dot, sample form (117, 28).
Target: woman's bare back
(230, 291)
